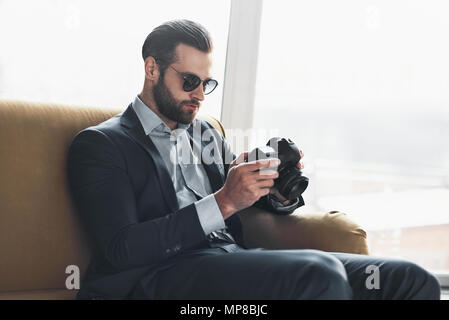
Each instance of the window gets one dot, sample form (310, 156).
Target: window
(89, 52)
(362, 87)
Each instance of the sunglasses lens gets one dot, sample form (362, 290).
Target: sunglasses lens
(191, 82)
(209, 86)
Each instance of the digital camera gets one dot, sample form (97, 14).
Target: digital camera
(290, 183)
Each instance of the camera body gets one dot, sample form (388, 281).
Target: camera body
(290, 183)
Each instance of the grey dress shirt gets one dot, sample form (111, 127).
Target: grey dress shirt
(190, 180)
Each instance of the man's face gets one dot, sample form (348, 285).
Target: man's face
(171, 100)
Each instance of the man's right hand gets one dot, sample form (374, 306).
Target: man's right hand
(245, 184)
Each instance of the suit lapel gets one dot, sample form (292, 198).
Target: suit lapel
(134, 129)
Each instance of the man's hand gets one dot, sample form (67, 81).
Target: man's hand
(245, 184)
(240, 159)
(300, 165)
(273, 191)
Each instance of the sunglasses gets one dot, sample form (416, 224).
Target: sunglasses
(191, 82)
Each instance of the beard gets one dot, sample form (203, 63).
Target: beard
(169, 107)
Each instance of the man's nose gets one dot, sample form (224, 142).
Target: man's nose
(198, 93)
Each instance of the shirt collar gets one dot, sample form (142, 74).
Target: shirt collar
(150, 120)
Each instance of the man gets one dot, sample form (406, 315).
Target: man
(163, 228)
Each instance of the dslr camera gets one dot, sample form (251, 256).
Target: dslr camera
(290, 183)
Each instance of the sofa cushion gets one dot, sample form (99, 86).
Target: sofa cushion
(39, 233)
(331, 231)
(51, 294)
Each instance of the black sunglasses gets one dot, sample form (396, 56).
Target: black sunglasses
(191, 82)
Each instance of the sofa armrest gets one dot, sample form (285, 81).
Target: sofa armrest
(332, 231)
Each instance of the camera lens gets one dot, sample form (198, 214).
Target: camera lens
(291, 183)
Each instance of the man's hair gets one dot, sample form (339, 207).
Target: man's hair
(161, 43)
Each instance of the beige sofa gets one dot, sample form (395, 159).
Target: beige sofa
(40, 234)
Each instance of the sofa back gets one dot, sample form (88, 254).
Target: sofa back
(40, 234)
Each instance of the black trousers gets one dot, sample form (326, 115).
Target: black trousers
(288, 274)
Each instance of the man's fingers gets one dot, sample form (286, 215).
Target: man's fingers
(265, 174)
(268, 183)
(240, 159)
(264, 191)
(300, 165)
(261, 164)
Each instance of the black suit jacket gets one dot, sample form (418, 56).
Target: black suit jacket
(126, 199)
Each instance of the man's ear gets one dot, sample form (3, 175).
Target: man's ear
(151, 69)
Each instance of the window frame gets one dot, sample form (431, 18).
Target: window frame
(241, 64)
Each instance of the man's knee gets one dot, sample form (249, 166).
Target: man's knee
(415, 281)
(318, 275)
(425, 282)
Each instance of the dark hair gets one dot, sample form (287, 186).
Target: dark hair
(161, 43)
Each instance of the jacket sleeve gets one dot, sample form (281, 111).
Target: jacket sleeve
(103, 195)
